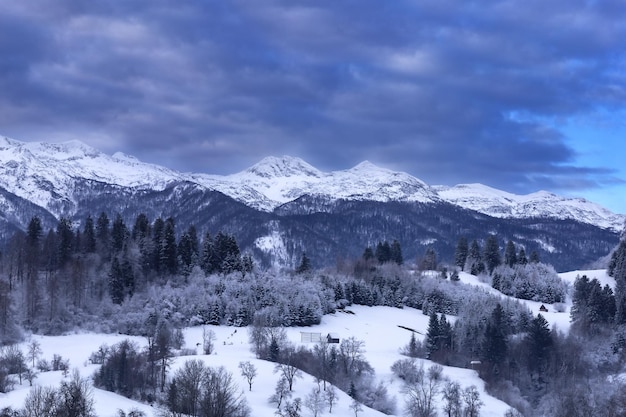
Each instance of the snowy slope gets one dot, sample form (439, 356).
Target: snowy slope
(46, 174)
(376, 326)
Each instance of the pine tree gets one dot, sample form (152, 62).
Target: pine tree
(539, 340)
(396, 253)
(460, 254)
(521, 257)
(305, 264)
(119, 234)
(429, 262)
(510, 258)
(116, 284)
(492, 253)
(65, 241)
(474, 263)
(534, 257)
(168, 256)
(89, 236)
(102, 234)
(368, 254)
(383, 252)
(432, 335)
(494, 349)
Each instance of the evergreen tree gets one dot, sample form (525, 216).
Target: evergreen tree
(116, 284)
(396, 253)
(432, 335)
(492, 253)
(89, 236)
(539, 340)
(305, 264)
(65, 241)
(119, 234)
(141, 228)
(521, 257)
(169, 259)
(383, 252)
(208, 258)
(429, 262)
(534, 257)
(32, 261)
(102, 234)
(460, 254)
(617, 257)
(158, 228)
(494, 349)
(510, 258)
(368, 254)
(474, 263)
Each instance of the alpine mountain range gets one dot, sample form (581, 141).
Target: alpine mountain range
(283, 207)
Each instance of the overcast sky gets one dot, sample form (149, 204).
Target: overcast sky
(519, 95)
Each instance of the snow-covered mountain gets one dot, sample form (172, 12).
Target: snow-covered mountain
(542, 204)
(276, 181)
(48, 174)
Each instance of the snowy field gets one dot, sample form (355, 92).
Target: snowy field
(379, 327)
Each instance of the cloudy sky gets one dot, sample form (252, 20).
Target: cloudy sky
(518, 95)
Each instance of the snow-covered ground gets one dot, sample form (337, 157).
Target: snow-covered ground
(381, 328)
(376, 326)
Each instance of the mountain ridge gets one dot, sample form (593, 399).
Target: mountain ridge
(44, 173)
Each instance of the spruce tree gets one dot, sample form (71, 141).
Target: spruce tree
(383, 252)
(169, 259)
(89, 236)
(494, 348)
(396, 253)
(432, 335)
(305, 264)
(474, 263)
(119, 234)
(521, 257)
(492, 253)
(65, 241)
(460, 254)
(510, 258)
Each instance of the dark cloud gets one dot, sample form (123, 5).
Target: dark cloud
(448, 91)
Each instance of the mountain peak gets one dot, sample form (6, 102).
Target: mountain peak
(285, 166)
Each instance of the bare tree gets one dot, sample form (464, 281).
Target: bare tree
(208, 340)
(248, 371)
(471, 398)
(421, 393)
(351, 350)
(315, 402)
(281, 392)
(288, 372)
(356, 407)
(331, 397)
(34, 351)
(452, 399)
(42, 402)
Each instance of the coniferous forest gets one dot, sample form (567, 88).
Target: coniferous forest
(146, 279)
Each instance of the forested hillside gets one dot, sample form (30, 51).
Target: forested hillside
(148, 280)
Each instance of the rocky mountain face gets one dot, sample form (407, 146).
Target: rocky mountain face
(283, 206)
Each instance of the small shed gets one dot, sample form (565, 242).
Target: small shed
(332, 338)
(543, 309)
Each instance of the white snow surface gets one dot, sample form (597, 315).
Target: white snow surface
(44, 172)
(376, 326)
